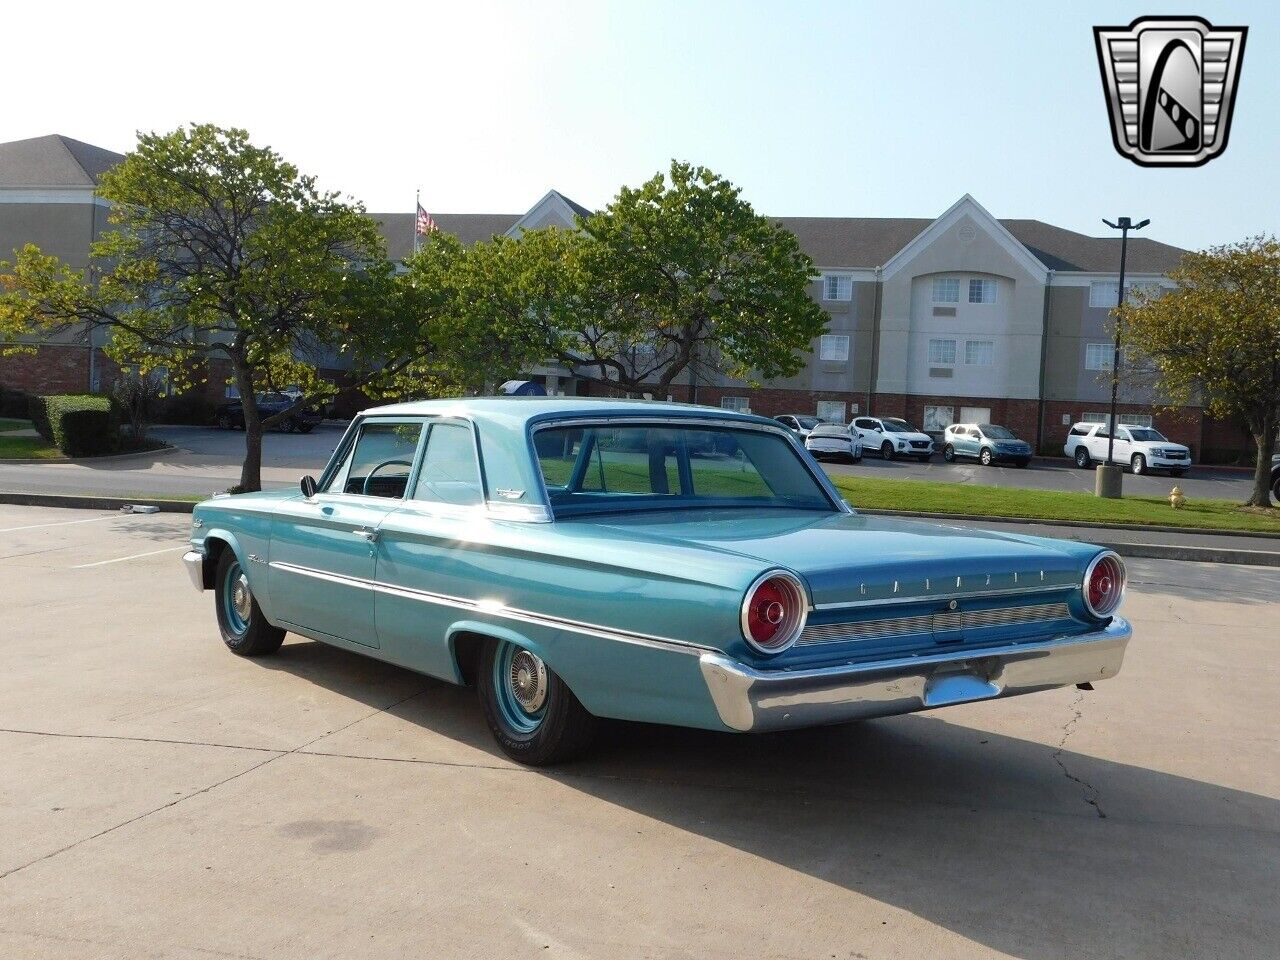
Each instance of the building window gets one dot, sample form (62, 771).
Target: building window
(1104, 293)
(981, 353)
(1098, 356)
(982, 291)
(937, 419)
(736, 404)
(836, 287)
(833, 347)
(975, 414)
(946, 289)
(1126, 419)
(942, 353)
(831, 411)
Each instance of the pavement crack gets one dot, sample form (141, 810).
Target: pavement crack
(275, 755)
(1092, 795)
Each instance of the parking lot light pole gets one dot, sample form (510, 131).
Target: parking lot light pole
(1109, 475)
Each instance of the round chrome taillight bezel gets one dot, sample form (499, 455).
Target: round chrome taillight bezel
(1113, 566)
(794, 614)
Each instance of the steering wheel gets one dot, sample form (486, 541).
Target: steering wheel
(364, 489)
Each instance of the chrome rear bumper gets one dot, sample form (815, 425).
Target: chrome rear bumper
(193, 560)
(750, 699)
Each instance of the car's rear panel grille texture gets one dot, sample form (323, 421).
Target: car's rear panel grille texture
(928, 623)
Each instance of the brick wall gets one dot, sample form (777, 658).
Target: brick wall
(1183, 425)
(53, 368)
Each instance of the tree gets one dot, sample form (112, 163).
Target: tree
(678, 275)
(1217, 335)
(221, 250)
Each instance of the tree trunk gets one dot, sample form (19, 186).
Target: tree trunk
(251, 469)
(1265, 439)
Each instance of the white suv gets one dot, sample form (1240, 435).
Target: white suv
(1142, 448)
(892, 437)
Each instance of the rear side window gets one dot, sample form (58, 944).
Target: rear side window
(449, 472)
(1080, 430)
(379, 463)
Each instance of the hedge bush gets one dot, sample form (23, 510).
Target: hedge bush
(14, 403)
(81, 425)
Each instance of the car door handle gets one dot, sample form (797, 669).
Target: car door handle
(364, 533)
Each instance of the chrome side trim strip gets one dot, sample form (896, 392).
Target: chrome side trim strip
(920, 598)
(497, 609)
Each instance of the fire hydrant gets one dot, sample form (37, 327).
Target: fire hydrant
(1176, 499)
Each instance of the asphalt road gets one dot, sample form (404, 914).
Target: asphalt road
(208, 460)
(161, 797)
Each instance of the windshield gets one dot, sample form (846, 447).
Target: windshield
(894, 425)
(808, 422)
(607, 468)
(1147, 435)
(996, 432)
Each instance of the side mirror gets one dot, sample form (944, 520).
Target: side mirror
(308, 485)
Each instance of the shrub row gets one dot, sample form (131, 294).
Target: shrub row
(80, 424)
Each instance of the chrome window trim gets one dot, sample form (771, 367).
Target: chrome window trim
(498, 609)
(351, 437)
(918, 598)
(838, 504)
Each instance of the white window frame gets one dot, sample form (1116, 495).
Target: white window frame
(838, 406)
(1091, 360)
(837, 287)
(1104, 293)
(938, 283)
(987, 290)
(934, 414)
(736, 404)
(942, 350)
(991, 354)
(839, 347)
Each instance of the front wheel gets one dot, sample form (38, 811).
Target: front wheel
(244, 629)
(949, 453)
(985, 457)
(1082, 458)
(531, 712)
(1138, 465)
(886, 451)
(1275, 490)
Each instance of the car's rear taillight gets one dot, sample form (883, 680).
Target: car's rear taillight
(774, 611)
(1103, 585)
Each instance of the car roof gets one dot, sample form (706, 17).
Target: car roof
(525, 409)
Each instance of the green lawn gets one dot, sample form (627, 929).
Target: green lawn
(915, 495)
(8, 423)
(27, 448)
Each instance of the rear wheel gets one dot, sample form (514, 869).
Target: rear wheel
(1275, 489)
(1082, 458)
(985, 457)
(244, 629)
(886, 450)
(531, 712)
(1138, 464)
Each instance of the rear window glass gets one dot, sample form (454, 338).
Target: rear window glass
(611, 467)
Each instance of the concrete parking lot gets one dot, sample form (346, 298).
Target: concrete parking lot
(208, 460)
(160, 797)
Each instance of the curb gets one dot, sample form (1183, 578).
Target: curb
(78, 502)
(1038, 521)
(1153, 551)
(133, 455)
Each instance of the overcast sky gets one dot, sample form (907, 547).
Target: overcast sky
(819, 109)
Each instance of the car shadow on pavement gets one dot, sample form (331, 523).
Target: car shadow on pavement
(1026, 847)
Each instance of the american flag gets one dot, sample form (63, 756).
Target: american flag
(424, 223)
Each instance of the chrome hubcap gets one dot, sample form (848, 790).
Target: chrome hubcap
(241, 598)
(528, 681)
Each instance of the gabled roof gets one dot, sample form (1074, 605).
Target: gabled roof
(1066, 250)
(54, 161)
(577, 208)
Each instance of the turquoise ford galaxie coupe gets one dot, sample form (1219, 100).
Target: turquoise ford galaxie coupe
(575, 559)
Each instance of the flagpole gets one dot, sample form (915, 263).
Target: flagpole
(417, 205)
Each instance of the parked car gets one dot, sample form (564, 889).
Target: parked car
(519, 545)
(799, 422)
(1142, 448)
(988, 442)
(893, 437)
(1275, 478)
(230, 415)
(833, 440)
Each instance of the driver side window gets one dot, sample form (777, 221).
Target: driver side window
(380, 462)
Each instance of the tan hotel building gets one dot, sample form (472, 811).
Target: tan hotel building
(961, 318)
